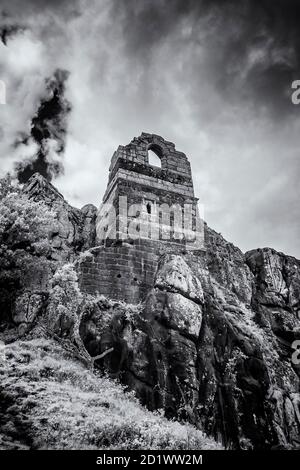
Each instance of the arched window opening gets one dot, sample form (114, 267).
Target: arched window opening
(149, 207)
(153, 158)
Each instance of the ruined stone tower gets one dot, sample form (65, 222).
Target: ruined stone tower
(147, 210)
(160, 191)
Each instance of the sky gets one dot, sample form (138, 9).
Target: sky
(213, 77)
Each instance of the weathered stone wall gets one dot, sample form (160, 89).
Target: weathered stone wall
(137, 192)
(119, 271)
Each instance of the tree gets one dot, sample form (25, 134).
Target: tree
(25, 248)
(66, 308)
(24, 223)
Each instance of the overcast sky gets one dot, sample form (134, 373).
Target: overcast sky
(213, 79)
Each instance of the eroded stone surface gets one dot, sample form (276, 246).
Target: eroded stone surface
(74, 229)
(175, 275)
(222, 362)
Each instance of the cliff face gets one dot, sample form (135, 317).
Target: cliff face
(23, 296)
(211, 343)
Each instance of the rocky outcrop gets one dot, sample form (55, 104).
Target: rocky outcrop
(75, 229)
(276, 293)
(72, 233)
(250, 324)
(155, 346)
(212, 344)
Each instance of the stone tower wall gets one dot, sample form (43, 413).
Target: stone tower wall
(124, 268)
(123, 271)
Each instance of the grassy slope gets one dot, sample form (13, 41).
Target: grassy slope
(48, 400)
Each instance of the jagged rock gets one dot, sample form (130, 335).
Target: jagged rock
(276, 292)
(39, 188)
(175, 275)
(176, 312)
(75, 229)
(277, 277)
(215, 351)
(226, 265)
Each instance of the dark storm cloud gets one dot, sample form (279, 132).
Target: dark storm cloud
(8, 31)
(48, 125)
(48, 131)
(254, 46)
